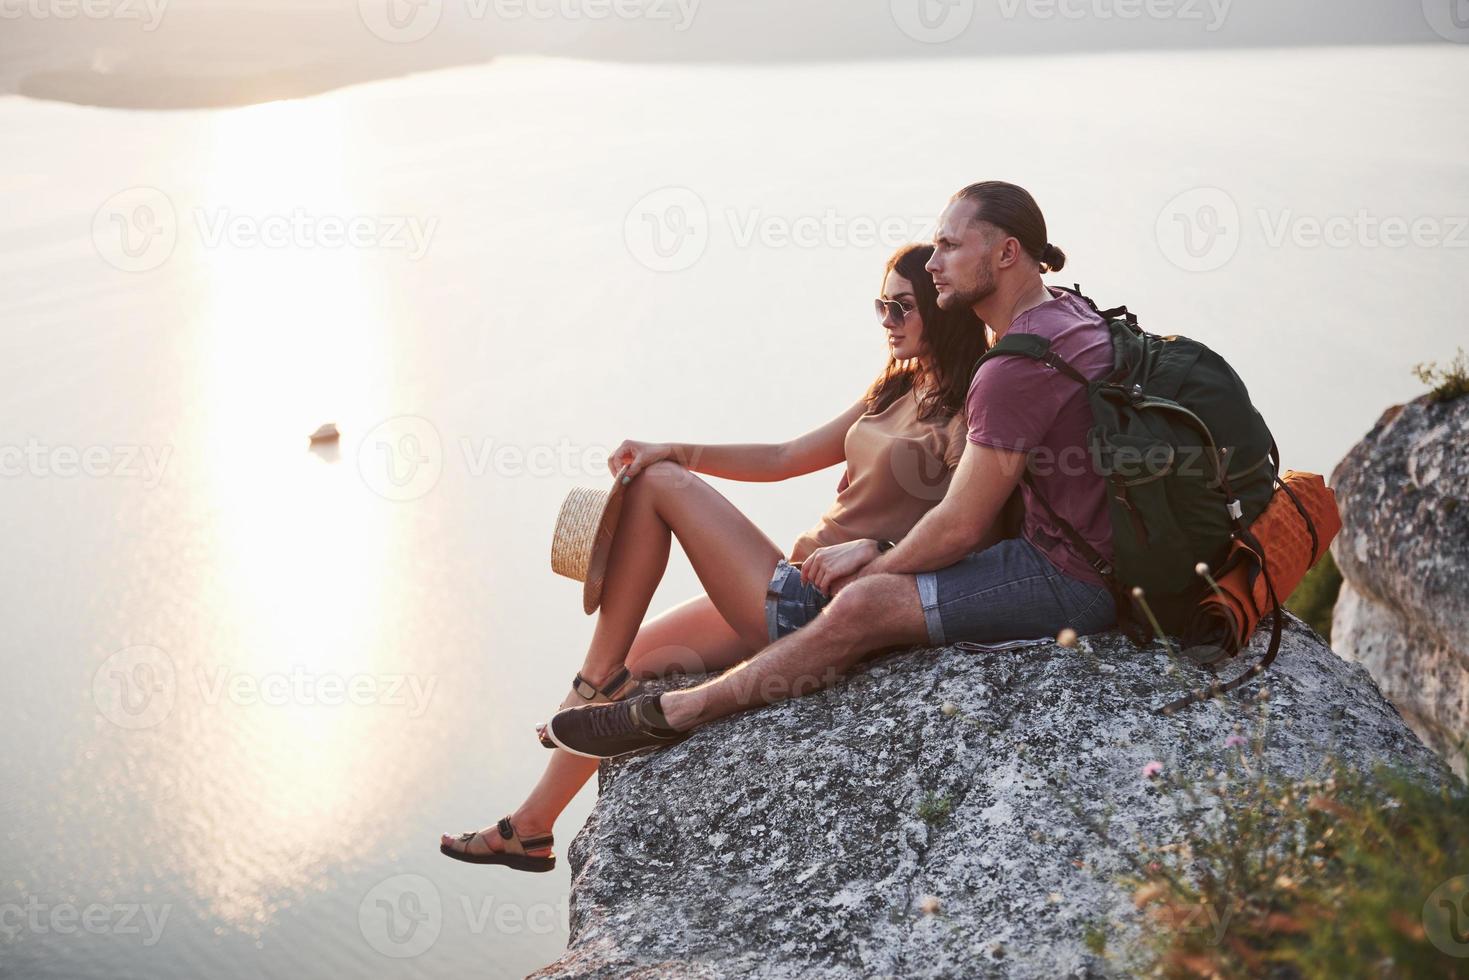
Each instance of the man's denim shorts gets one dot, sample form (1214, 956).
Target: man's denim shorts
(790, 603)
(1009, 592)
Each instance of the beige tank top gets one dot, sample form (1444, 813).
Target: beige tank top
(898, 468)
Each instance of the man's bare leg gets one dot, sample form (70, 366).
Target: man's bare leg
(870, 614)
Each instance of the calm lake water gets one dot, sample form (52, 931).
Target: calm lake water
(247, 685)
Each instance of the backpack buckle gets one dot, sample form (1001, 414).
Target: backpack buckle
(1236, 510)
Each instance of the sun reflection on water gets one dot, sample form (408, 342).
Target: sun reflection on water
(275, 761)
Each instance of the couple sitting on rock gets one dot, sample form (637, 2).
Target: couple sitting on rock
(901, 559)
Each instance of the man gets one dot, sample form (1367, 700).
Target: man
(933, 588)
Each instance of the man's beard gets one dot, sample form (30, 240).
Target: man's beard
(983, 288)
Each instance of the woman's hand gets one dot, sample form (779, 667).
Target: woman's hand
(637, 456)
(828, 568)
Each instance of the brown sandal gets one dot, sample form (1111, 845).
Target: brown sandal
(619, 686)
(513, 856)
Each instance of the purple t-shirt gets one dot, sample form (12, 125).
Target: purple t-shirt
(1020, 404)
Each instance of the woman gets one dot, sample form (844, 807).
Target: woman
(900, 442)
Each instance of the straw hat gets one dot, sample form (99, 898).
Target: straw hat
(583, 537)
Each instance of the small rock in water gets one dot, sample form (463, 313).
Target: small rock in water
(327, 433)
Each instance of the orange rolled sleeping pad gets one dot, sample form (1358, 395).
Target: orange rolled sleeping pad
(1228, 617)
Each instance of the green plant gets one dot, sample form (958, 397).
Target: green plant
(1448, 382)
(1314, 878)
(934, 809)
(1315, 598)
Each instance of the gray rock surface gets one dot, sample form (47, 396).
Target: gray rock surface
(786, 841)
(1403, 612)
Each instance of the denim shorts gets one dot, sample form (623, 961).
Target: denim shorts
(1009, 592)
(790, 603)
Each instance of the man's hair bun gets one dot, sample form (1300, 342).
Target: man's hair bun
(1053, 258)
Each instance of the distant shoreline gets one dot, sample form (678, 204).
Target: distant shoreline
(186, 89)
(200, 57)
(156, 90)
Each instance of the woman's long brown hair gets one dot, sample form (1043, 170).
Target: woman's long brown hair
(955, 339)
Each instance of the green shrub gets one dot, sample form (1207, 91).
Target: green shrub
(1315, 598)
(1351, 875)
(934, 809)
(1449, 382)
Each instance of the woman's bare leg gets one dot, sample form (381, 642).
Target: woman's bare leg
(691, 638)
(732, 557)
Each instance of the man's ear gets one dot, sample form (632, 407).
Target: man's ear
(1009, 252)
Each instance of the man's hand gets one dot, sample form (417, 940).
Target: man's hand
(873, 567)
(831, 567)
(964, 521)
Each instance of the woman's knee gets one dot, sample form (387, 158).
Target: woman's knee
(654, 481)
(665, 475)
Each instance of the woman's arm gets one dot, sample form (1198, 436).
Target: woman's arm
(751, 462)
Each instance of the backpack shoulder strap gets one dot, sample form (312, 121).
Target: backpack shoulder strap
(1131, 627)
(1036, 348)
(1115, 313)
(1028, 345)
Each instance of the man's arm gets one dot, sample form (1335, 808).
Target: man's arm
(964, 520)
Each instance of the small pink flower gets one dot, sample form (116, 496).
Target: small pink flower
(1152, 769)
(1235, 741)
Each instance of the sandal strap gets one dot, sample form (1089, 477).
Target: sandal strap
(588, 691)
(583, 687)
(513, 843)
(619, 680)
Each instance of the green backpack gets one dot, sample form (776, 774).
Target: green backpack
(1189, 464)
